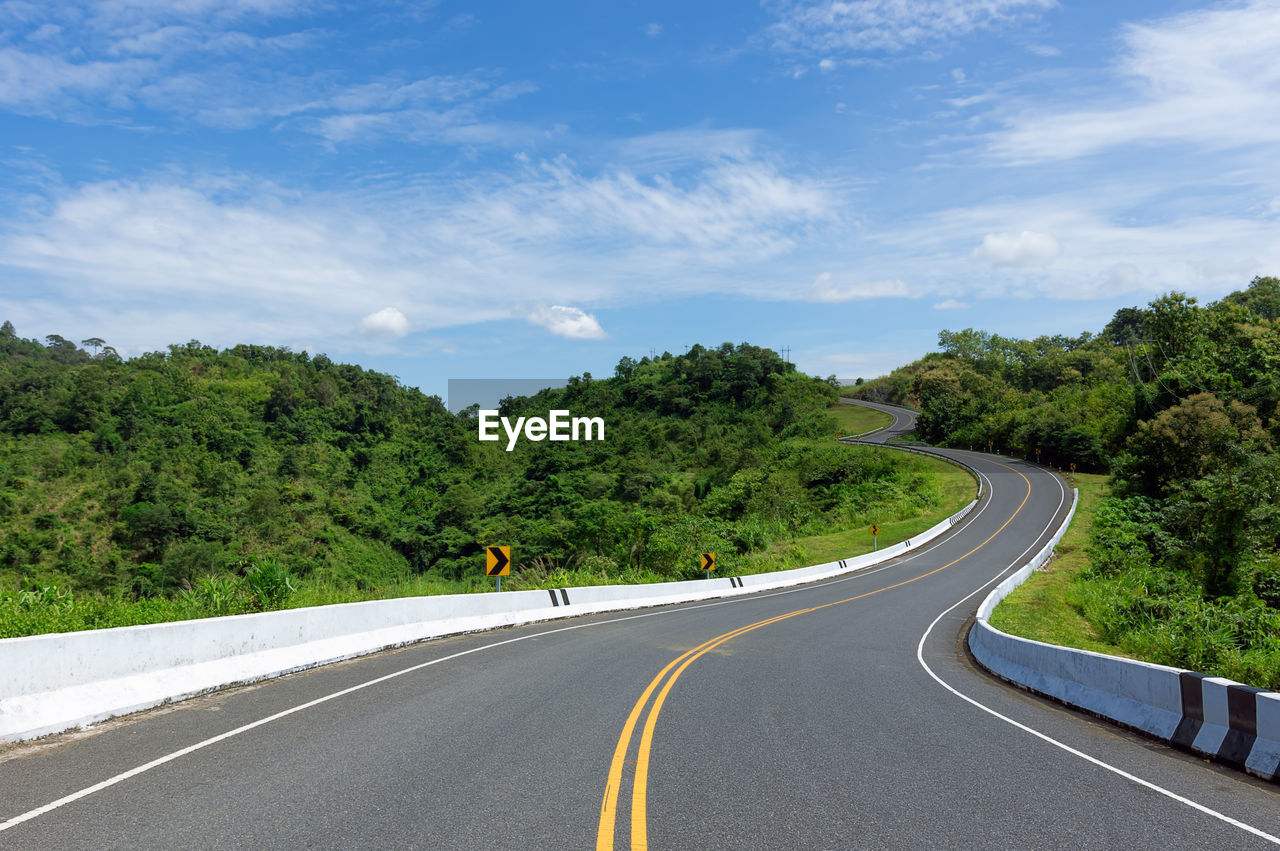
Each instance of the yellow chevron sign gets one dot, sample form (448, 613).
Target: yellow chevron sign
(497, 561)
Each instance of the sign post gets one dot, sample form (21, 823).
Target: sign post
(875, 534)
(497, 563)
(708, 563)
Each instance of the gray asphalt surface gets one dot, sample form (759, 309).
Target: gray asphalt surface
(822, 730)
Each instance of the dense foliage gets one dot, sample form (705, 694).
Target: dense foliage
(223, 480)
(1179, 402)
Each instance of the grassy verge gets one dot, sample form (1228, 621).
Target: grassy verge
(1046, 606)
(954, 489)
(855, 419)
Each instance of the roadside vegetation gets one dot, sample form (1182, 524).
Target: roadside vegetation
(1178, 402)
(1047, 607)
(197, 482)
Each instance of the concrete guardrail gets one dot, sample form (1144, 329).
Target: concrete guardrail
(1228, 722)
(51, 683)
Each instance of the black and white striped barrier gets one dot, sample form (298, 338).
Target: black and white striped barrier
(1234, 724)
(1231, 723)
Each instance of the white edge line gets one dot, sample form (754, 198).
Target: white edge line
(159, 761)
(1092, 759)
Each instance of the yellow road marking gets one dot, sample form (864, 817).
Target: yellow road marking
(608, 809)
(639, 785)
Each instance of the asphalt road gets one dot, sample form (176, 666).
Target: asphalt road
(843, 714)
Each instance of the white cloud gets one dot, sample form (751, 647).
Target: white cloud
(388, 322)
(1110, 254)
(569, 322)
(251, 261)
(824, 289)
(1027, 248)
(951, 304)
(1209, 78)
(653, 30)
(862, 26)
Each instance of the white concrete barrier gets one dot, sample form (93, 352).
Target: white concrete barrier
(50, 683)
(1231, 723)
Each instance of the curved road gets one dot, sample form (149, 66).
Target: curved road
(843, 714)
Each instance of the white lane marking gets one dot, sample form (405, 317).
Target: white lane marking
(1092, 759)
(155, 763)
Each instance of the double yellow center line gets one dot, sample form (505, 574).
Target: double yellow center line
(640, 781)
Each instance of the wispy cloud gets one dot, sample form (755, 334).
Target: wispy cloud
(840, 29)
(219, 64)
(1101, 252)
(672, 150)
(826, 289)
(326, 264)
(1209, 78)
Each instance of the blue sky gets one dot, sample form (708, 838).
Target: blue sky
(440, 189)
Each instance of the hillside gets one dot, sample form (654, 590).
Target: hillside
(231, 479)
(1178, 401)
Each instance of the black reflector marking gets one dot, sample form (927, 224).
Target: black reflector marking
(1188, 729)
(1242, 718)
(1192, 709)
(1192, 694)
(1235, 748)
(554, 601)
(1242, 709)
(564, 595)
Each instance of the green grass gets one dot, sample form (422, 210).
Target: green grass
(1046, 606)
(855, 419)
(956, 488)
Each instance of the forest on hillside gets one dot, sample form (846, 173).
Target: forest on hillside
(1178, 402)
(194, 471)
